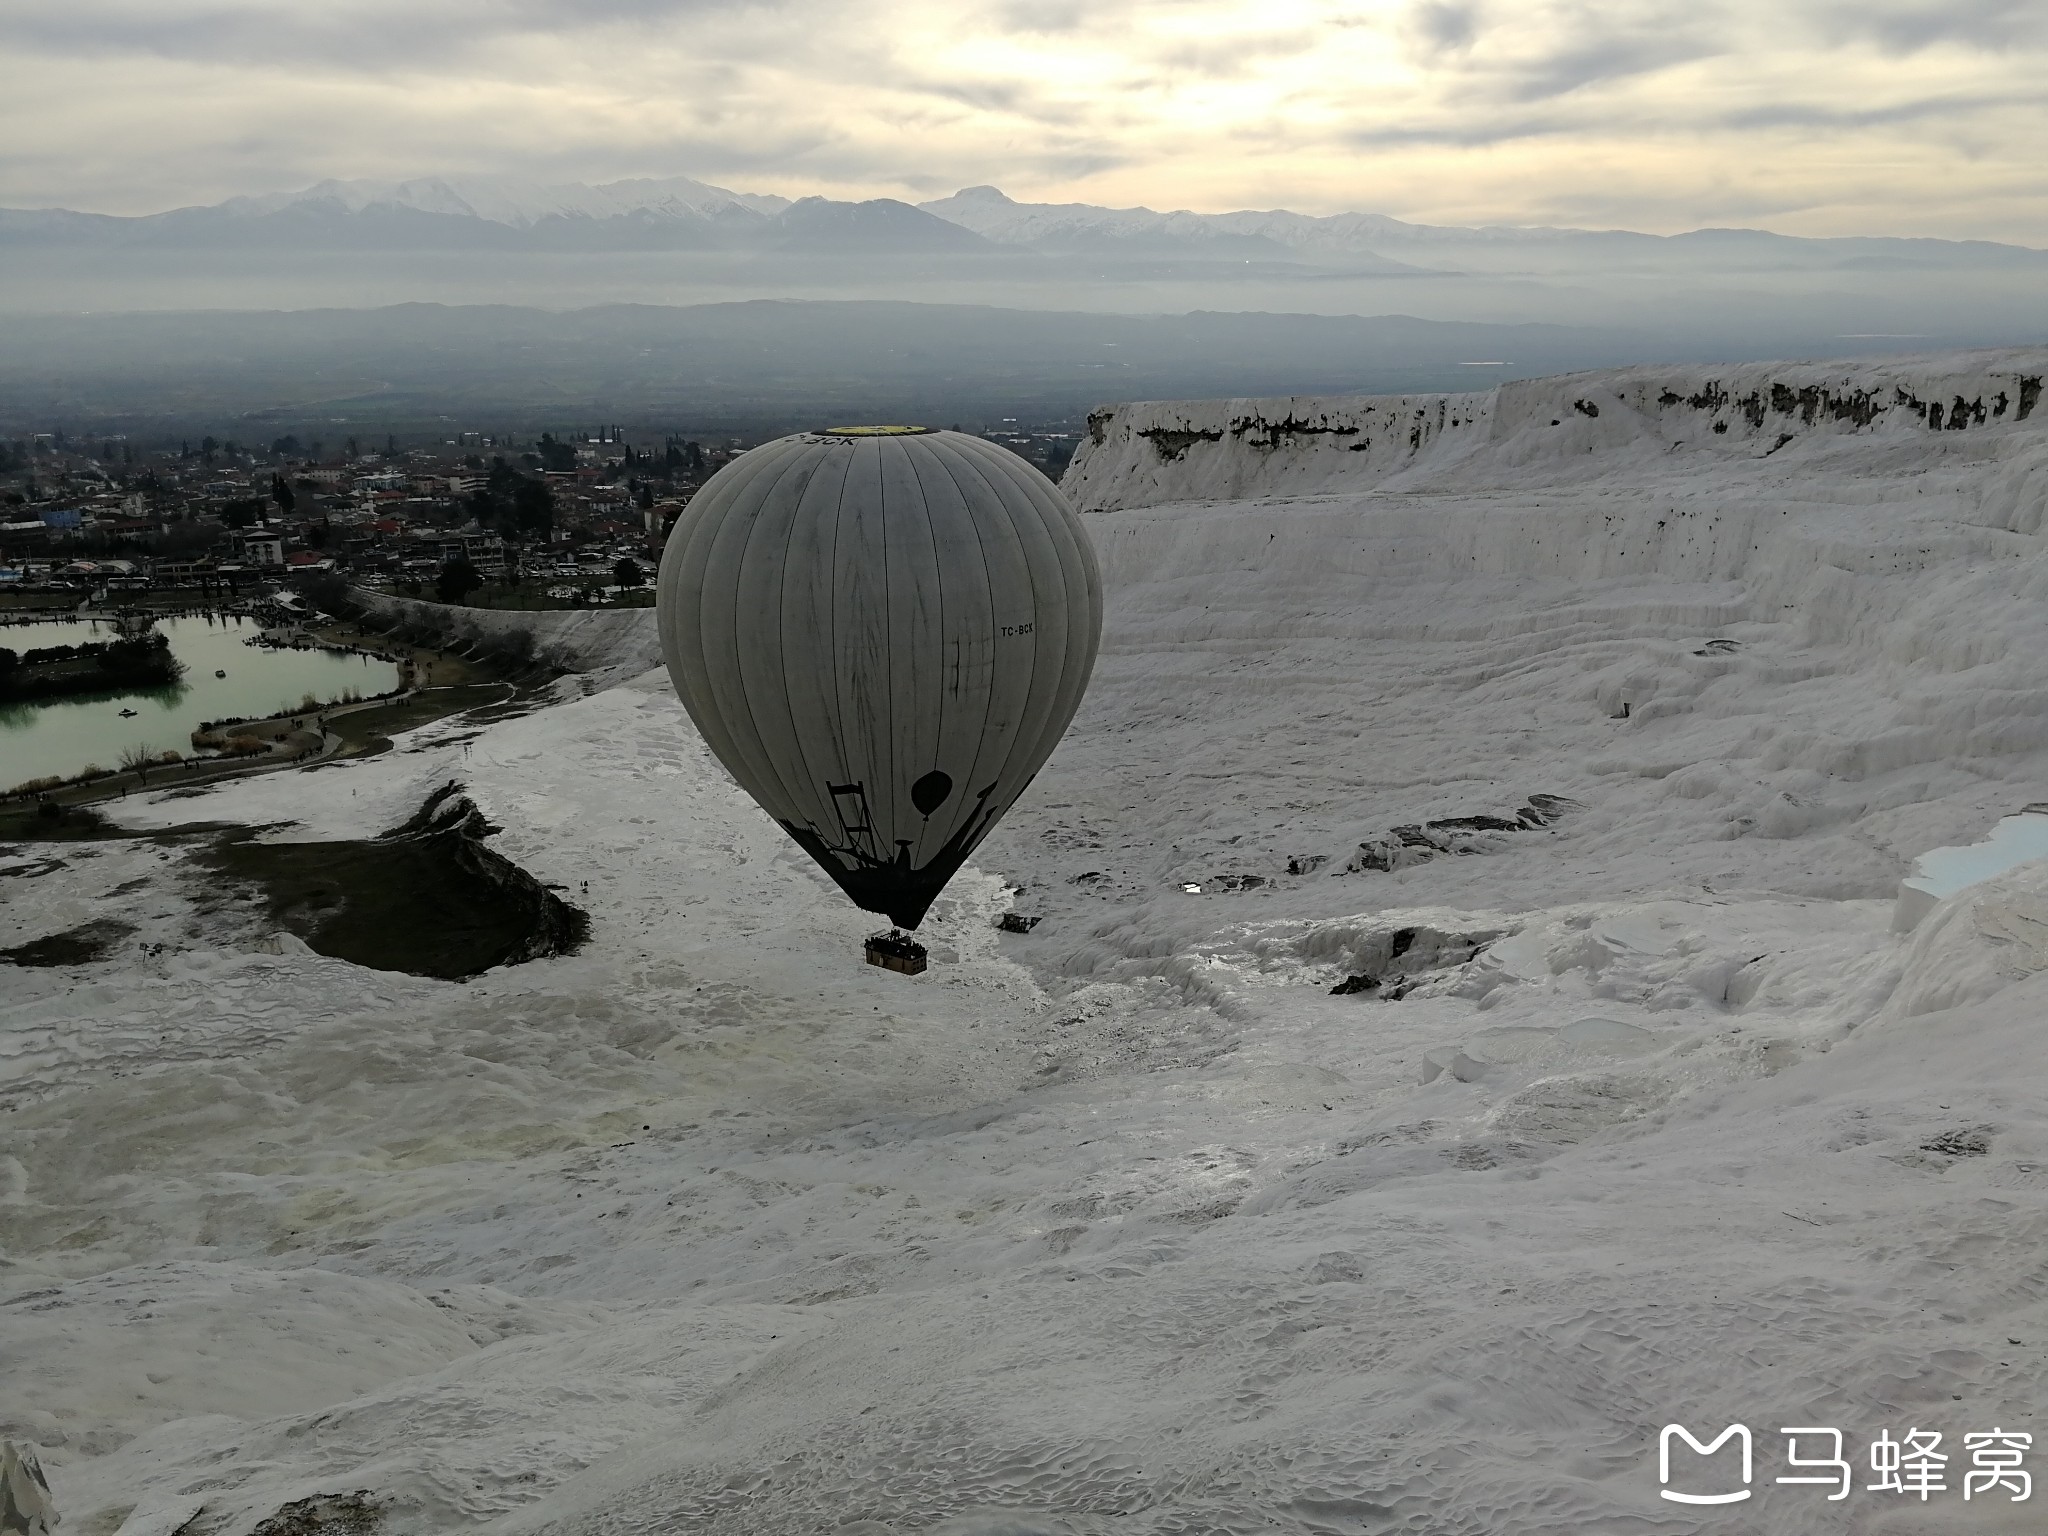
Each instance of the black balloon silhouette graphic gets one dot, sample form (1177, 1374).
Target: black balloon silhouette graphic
(929, 792)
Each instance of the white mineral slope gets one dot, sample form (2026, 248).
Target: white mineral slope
(1129, 1225)
(604, 645)
(1187, 450)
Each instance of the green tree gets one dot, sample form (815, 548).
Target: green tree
(554, 454)
(282, 494)
(457, 580)
(627, 572)
(533, 509)
(484, 507)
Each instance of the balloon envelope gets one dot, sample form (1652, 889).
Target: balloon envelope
(882, 633)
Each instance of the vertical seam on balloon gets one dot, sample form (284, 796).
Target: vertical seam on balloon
(797, 462)
(799, 802)
(1001, 508)
(836, 720)
(712, 505)
(939, 584)
(814, 778)
(973, 807)
(1072, 674)
(888, 737)
(1075, 670)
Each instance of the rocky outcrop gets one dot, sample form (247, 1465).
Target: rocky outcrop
(1408, 845)
(429, 897)
(1154, 452)
(1385, 964)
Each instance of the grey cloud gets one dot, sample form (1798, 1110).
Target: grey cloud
(1819, 115)
(368, 36)
(1909, 26)
(1443, 26)
(1457, 133)
(1603, 59)
(1231, 56)
(1053, 16)
(983, 95)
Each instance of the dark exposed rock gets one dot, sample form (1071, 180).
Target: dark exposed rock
(1475, 824)
(1017, 922)
(1544, 809)
(325, 1514)
(1307, 864)
(1973, 1141)
(1268, 434)
(1383, 854)
(74, 946)
(1403, 846)
(429, 897)
(1390, 963)
(1172, 443)
(1585, 408)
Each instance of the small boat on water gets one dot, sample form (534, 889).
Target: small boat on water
(220, 671)
(127, 714)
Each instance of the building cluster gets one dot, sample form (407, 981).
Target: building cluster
(105, 512)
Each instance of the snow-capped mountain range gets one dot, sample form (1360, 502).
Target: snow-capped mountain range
(521, 204)
(679, 212)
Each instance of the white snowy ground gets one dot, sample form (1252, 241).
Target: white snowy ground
(1129, 1225)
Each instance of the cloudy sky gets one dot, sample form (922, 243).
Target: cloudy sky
(1809, 116)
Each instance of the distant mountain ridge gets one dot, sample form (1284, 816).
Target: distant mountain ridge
(501, 213)
(680, 213)
(1280, 233)
(521, 204)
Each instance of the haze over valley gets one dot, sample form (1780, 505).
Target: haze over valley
(673, 302)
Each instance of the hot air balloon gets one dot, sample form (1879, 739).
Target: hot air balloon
(882, 633)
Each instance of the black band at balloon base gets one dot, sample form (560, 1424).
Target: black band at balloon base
(893, 890)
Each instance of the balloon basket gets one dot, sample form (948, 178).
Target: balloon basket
(896, 951)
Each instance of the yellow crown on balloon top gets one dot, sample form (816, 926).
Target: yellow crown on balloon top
(875, 431)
